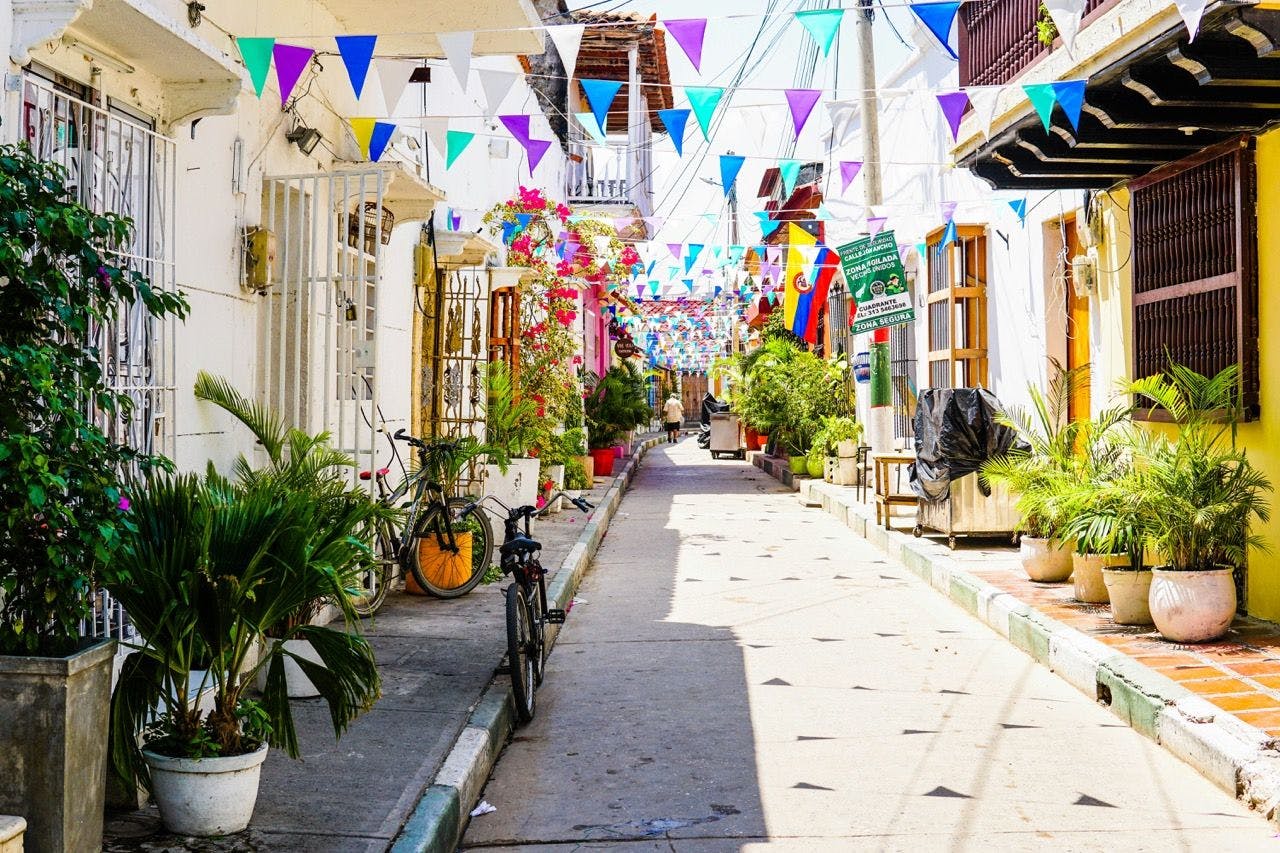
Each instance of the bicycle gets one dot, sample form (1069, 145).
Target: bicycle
(430, 512)
(526, 599)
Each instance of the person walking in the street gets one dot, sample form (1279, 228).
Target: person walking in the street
(672, 417)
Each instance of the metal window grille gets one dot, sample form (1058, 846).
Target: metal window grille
(117, 163)
(997, 38)
(1195, 266)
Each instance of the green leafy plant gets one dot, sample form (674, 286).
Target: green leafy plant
(1046, 29)
(575, 476)
(1199, 494)
(603, 411)
(511, 423)
(207, 568)
(835, 429)
(64, 279)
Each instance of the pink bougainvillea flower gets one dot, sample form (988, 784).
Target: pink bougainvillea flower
(123, 504)
(540, 502)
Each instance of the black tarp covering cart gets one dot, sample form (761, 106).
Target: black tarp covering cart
(956, 431)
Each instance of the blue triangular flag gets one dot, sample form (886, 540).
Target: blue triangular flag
(379, 139)
(1019, 206)
(524, 219)
(508, 231)
(600, 95)
(674, 121)
(767, 224)
(729, 168)
(1070, 96)
(949, 235)
(938, 18)
(688, 282)
(356, 53)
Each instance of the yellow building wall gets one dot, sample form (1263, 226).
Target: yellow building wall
(1112, 353)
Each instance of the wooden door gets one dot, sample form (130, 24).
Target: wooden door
(1079, 406)
(693, 387)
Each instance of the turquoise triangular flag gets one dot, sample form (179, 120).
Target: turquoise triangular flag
(456, 141)
(1019, 206)
(790, 172)
(356, 53)
(767, 224)
(938, 18)
(1042, 97)
(600, 95)
(1070, 95)
(949, 235)
(729, 168)
(382, 131)
(592, 126)
(704, 100)
(822, 24)
(674, 121)
(256, 53)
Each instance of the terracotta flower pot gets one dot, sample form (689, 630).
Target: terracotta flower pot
(1191, 607)
(1086, 571)
(752, 438)
(1045, 560)
(1130, 592)
(602, 460)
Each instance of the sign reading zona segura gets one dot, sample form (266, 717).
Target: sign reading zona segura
(873, 270)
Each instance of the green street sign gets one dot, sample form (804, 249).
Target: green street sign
(873, 270)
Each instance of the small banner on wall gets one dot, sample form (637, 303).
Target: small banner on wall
(873, 270)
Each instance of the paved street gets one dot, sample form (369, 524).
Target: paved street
(743, 672)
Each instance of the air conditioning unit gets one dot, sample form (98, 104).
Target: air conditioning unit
(1084, 273)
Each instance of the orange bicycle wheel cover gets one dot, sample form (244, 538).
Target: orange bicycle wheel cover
(440, 568)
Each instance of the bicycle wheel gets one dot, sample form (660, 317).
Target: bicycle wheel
(519, 642)
(452, 575)
(371, 587)
(539, 622)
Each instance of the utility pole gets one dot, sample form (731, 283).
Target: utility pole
(880, 414)
(733, 211)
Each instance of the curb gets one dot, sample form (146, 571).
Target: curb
(442, 812)
(1240, 759)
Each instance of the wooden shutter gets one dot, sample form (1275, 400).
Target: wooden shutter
(1195, 265)
(957, 308)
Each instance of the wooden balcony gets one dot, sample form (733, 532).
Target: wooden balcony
(997, 38)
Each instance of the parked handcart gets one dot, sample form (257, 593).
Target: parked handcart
(726, 436)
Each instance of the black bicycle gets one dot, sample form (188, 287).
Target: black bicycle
(527, 611)
(446, 549)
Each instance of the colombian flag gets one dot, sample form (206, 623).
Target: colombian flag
(806, 289)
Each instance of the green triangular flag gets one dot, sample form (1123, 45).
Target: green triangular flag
(790, 171)
(456, 141)
(1042, 97)
(256, 53)
(822, 24)
(704, 100)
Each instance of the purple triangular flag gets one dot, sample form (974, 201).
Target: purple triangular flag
(848, 171)
(535, 148)
(953, 106)
(875, 224)
(517, 126)
(801, 102)
(688, 33)
(676, 249)
(291, 61)
(948, 209)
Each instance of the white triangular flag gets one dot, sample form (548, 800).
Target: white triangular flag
(1066, 15)
(843, 117)
(984, 100)
(457, 49)
(496, 84)
(1191, 11)
(567, 39)
(592, 126)
(393, 75)
(437, 128)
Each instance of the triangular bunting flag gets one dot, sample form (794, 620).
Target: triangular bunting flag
(1019, 206)
(437, 128)
(767, 224)
(822, 24)
(848, 171)
(676, 250)
(789, 170)
(953, 106)
(674, 121)
(568, 39)
(495, 84)
(1070, 96)
(938, 19)
(729, 168)
(842, 115)
(1066, 16)
(875, 224)
(1043, 98)
(801, 102)
(362, 129)
(591, 126)
(517, 126)
(356, 53)
(704, 100)
(1191, 12)
(948, 210)
(455, 220)
(535, 148)
(457, 49)
(688, 33)
(508, 232)
(256, 53)
(458, 140)
(291, 61)
(983, 99)
(948, 235)
(600, 95)
(379, 138)
(393, 75)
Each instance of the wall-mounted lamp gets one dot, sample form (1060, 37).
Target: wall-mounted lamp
(306, 138)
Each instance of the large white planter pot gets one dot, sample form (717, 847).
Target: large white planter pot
(847, 449)
(296, 682)
(517, 487)
(1086, 573)
(206, 796)
(1129, 592)
(1191, 607)
(1045, 560)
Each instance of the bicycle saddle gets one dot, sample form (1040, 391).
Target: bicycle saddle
(382, 472)
(521, 546)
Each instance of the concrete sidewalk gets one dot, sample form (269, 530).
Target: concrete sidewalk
(437, 659)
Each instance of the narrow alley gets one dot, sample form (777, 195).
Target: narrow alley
(741, 671)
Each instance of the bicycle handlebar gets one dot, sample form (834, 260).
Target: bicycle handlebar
(516, 513)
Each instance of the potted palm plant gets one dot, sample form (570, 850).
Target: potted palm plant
(510, 429)
(206, 569)
(575, 478)
(1107, 522)
(62, 492)
(1200, 496)
(605, 409)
